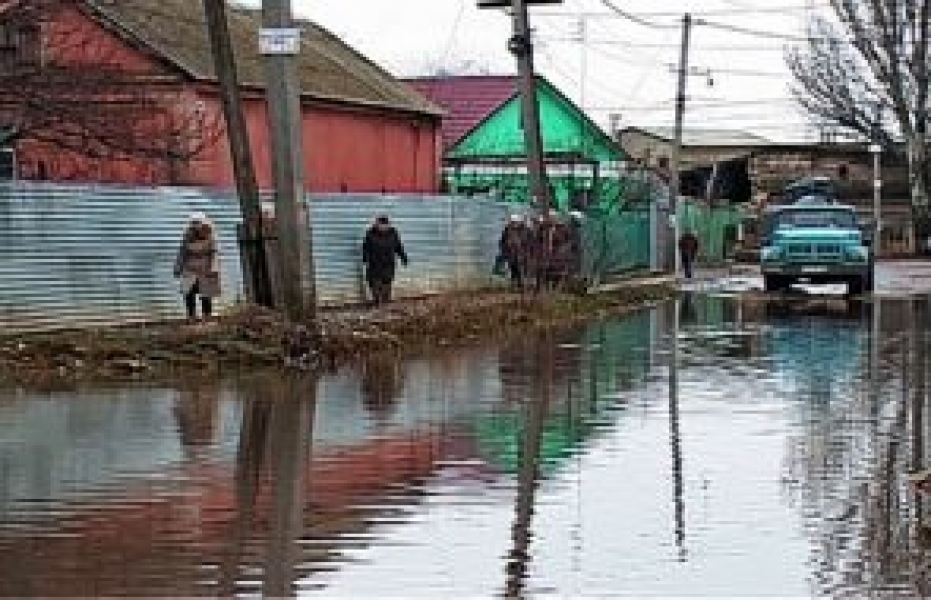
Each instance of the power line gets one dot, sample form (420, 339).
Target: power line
(670, 45)
(454, 32)
(654, 14)
(636, 19)
(751, 32)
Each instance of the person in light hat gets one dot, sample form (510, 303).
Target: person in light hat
(513, 247)
(197, 266)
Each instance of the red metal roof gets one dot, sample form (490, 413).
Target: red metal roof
(467, 99)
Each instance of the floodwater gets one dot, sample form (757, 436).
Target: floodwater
(764, 452)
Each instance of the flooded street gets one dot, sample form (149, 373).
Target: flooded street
(723, 444)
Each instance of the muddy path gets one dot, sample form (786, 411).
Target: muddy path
(253, 338)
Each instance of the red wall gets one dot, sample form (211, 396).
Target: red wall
(346, 148)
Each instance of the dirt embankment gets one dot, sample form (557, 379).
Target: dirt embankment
(257, 338)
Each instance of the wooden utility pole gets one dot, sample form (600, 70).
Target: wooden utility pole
(252, 239)
(521, 47)
(676, 154)
(280, 44)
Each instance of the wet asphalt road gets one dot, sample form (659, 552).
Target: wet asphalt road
(730, 443)
(893, 278)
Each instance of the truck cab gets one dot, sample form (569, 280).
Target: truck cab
(815, 240)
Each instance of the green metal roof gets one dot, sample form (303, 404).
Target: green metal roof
(565, 129)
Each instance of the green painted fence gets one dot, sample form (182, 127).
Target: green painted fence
(716, 228)
(615, 243)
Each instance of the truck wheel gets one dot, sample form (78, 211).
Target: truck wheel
(855, 286)
(772, 283)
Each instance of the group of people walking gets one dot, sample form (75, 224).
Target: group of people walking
(542, 252)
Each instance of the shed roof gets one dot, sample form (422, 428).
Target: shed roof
(704, 137)
(467, 100)
(328, 69)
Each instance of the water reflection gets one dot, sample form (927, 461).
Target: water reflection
(718, 446)
(535, 406)
(196, 413)
(381, 384)
(682, 309)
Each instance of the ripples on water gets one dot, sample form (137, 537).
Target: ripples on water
(770, 460)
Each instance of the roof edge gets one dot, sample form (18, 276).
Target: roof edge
(127, 34)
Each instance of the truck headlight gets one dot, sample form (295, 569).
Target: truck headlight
(857, 253)
(770, 253)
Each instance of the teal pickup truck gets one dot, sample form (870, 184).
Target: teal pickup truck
(815, 240)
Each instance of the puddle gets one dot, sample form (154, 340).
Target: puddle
(772, 458)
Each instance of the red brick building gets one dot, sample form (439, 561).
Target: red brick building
(363, 130)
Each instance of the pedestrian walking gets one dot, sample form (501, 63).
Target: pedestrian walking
(197, 266)
(688, 251)
(380, 250)
(576, 250)
(513, 248)
(544, 244)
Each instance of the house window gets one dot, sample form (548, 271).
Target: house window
(7, 164)
(19, 45)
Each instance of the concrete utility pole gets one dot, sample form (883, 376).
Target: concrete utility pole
(247, 187)
(676, 154)
(876, 150)
(280, 43)
(521, 47)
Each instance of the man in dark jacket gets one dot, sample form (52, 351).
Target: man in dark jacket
(513, 247)
(379, 249)
(688, 250)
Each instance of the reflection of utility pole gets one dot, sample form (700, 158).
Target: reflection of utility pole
(875, 345)
(918, 397)
(253, 439)
(676, 155)
(247, 187)
(675, 438)
(290, 435)
(529, 475)
(280, 43)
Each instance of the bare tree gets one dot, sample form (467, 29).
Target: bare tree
(63, 86)
(873, 56)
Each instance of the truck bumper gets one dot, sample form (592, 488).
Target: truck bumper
(818, 273)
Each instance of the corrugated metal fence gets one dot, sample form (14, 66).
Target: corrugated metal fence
(617, 243)
(77, 256)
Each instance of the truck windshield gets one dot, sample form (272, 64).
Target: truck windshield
(842, 219)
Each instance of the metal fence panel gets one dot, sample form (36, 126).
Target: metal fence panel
(87, 255)
(79, 256)
(616, 243)
(451, 242)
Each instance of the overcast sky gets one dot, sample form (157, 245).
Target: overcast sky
(628, 65)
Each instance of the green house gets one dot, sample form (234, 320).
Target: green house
(485, 153)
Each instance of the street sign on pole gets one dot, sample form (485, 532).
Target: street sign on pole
(282, 41)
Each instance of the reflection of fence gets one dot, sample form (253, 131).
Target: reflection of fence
(77, 256)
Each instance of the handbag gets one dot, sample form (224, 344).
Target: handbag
(210, 284)
(500, 267)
